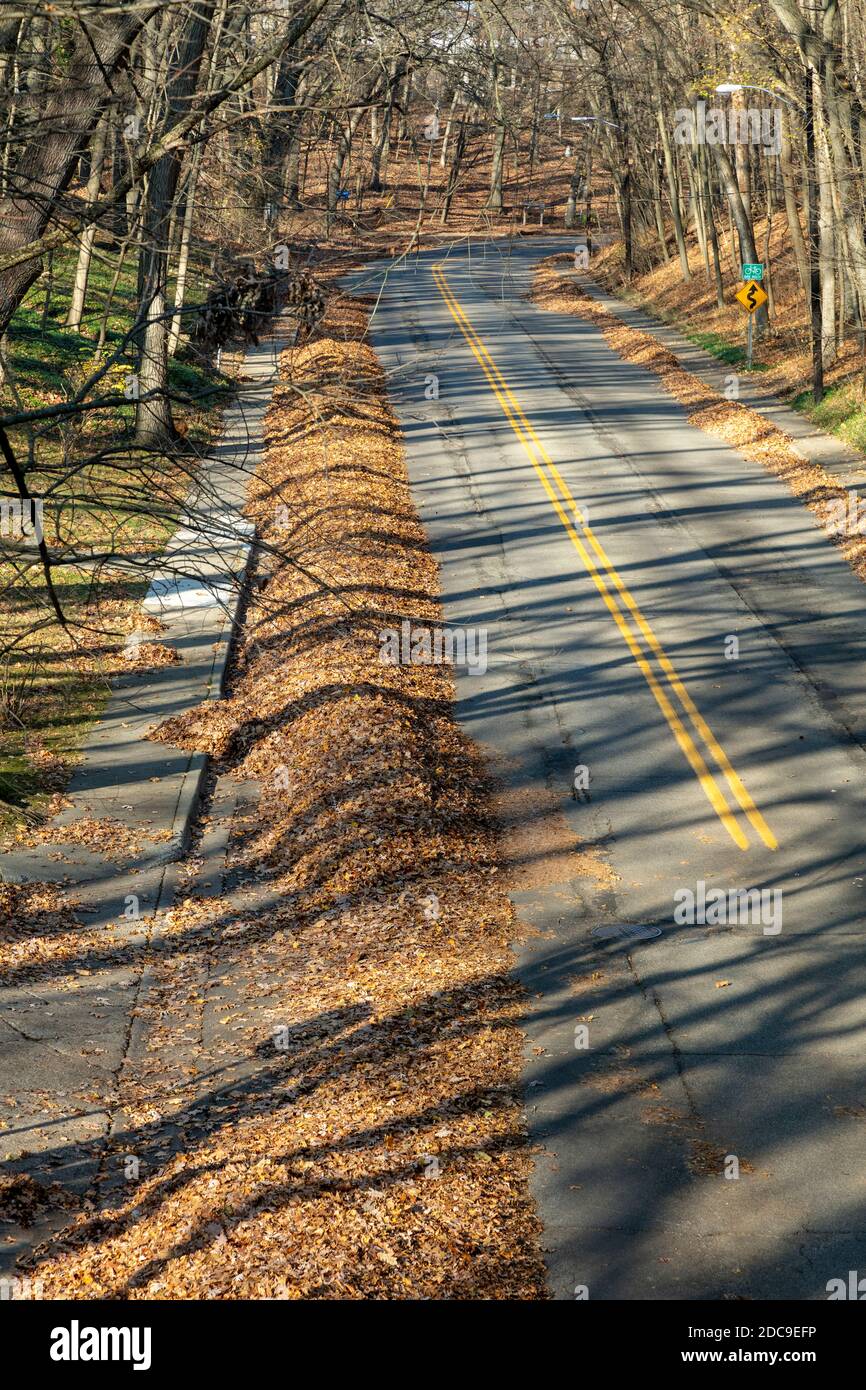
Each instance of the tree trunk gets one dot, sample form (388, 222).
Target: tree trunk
(376, 184)
(739, 101)
(342, 146)
(404, 108)
(814, 275)
(844, 175)
(281, 128)
(448, 126)
(69, 115)
(771, 212)
(745, 232)
(283, 146)
(826, 248)
(657, 208)
(154, 426)
(379, 157)
(454, 173)
(494, 199)
(573, 194)
(587, 205)
(85, 252)
(292, 181)
(674, 197)
(714, 236)
(183, 253)
(697, 209)
(791, 211)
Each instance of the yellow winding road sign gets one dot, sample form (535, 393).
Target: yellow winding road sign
(751, 296)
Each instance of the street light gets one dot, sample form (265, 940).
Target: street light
(727, 89)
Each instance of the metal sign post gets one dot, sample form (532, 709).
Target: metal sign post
(751, 296)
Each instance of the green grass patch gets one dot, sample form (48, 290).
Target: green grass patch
(49, 362)
(45, 721)
(732, 354)
(842, 412)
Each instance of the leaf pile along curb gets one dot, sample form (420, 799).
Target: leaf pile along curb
(325, 1092)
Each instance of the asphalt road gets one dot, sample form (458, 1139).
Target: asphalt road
(610, 552)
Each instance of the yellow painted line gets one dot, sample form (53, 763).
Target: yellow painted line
(533, 446)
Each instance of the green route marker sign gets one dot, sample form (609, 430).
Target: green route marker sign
(752, 270)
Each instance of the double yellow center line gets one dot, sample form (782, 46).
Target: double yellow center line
(639, 637)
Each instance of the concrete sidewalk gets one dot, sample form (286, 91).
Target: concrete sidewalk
(66, 1023)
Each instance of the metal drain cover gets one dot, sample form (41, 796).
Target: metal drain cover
(624, 932)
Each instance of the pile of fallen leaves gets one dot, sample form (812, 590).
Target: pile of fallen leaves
(325, 1100)
(22, 1198)
(732, 422)
(146, 656)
